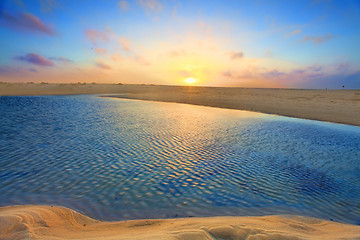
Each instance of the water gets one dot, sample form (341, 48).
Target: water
(121, 159)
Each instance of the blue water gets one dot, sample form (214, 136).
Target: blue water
(122, 159)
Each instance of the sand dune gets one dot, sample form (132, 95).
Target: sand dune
(47, 222)
(341, 106)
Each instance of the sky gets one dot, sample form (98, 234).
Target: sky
(270, 44)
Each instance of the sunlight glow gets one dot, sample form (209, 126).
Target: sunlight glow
(190, 80)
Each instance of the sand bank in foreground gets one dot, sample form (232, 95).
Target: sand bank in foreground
(341, 106)
(46, 222)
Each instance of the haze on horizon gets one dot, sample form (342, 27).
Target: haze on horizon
(291, 44)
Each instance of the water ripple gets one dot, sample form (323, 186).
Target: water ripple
(119, 159)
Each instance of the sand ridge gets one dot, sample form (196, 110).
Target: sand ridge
(340, 106)
(53, 222)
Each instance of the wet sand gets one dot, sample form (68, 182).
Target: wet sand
(47, 222)
(340, 106)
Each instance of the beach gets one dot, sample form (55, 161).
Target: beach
(55, 222)
(339, 106)
(51, 222)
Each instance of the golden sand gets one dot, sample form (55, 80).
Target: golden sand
(340, 106)
(46, 222)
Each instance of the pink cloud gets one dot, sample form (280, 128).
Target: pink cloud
(236, 55)
(25, 22)
(102, 65)
(318, 39)
(124, 43)
(48, 5)
(116, 57)
(100, 50)
(178, 53)
(150, 5)
(140, 60)
(36, 59)
(96, 36)
(124, 5)
(293, 33)
(274, 74)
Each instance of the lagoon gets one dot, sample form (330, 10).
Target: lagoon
(124, 159)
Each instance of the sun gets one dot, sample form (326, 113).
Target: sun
(190, 80)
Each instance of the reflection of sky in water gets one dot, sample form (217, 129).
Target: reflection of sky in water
(120, 159)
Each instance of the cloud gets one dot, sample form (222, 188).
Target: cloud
(293, 33)
(318, 39)
(48, 5)
(150, 5)
(236, 55)
(273, 74)
(178, 53)
(269, 53)
(142, 61)
(124, 5)
(61, 59)
(343, 67)
(36, 59)
(116, 57)
(102, 65)
(316, 68)
(242, 75)
(96, 36)
(25, 22)
(316, 75)
(298, 71)
(32, 70)
(100, 50)
(255, 73)
(7, 70)
(336, 81)
(204, 28)
(124, 43)
(228, 74)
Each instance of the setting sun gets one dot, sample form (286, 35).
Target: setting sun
(190, 80)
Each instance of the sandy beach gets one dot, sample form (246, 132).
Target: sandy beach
(339, 106)
(47, 222)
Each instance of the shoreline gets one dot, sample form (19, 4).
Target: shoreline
(337, 106)
(49, 222)
(268, 113)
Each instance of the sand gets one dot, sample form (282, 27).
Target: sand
(340, 106)
(47, 222)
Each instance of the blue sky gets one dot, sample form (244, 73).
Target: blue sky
(292, 44)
